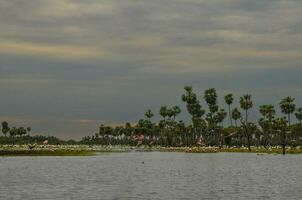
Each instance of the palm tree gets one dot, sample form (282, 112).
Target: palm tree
(163, 112)
(236, 114)
(229, 100)
(21, 131)
(149, 114)
(298, 115)
(280, 126)
(176, 111)
(5, 128)
(28, 129)
(210, 96)
(246, 104)
(13, 132)
(195, 110)
(268, 112)
(221, 115)
(287, 107)
(170, 113)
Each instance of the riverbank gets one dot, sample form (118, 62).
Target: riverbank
(268, 150)
(86, 150)
(54, 150)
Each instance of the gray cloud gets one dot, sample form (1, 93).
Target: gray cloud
(67, 65)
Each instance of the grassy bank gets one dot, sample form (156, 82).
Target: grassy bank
(45, 153)
(86, 150)
(269, 150)
(52, 150)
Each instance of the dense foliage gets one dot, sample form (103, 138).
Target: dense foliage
(205, 129)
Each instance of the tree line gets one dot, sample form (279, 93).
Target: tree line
(14, 131)
(207, 127)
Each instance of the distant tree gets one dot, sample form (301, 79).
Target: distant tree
(246, 104)
(287, 107)
(28, 129)
(221, 115)
(213, 118)
(5, 128)
(21, 131)
(176, 110)
(280, 125)
(229, 100)
(163, 112)
(149, 114)
(236, 114)
(13, 132)
(210, 96)
(268, 112)
(298, 115)
(195, 110)
(170, 113)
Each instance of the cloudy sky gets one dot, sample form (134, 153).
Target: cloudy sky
(67, 66)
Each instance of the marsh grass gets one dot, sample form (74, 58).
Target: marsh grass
(258, 150)
(46, 153)
(84, 150)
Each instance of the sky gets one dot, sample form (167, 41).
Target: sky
(67, 66)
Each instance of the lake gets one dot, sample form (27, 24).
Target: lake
(152, 175)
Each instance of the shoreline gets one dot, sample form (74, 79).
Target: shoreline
(86, 150)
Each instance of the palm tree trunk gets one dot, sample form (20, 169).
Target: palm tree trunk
(283, 142)
(230, 115)
(270, 130)
(246, 131)
(246, 117)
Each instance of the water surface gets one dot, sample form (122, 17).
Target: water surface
(152, 175)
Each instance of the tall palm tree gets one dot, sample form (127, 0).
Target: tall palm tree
(268, 112)
(28, 129)
(195, 110)
(298, 115)
(229, 100)
(163, 112)
(13, 131)
(149, 114)
(288, 107)
(246, 104)
(236, 114)
(176, 111)
(280, 126)
(221, 115)
(210, 96)
(5, 128)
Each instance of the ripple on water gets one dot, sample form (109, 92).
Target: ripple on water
(152, 175)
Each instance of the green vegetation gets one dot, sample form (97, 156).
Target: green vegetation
(206, 128)
(38, 139)
(207, 125)
(46, 152)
